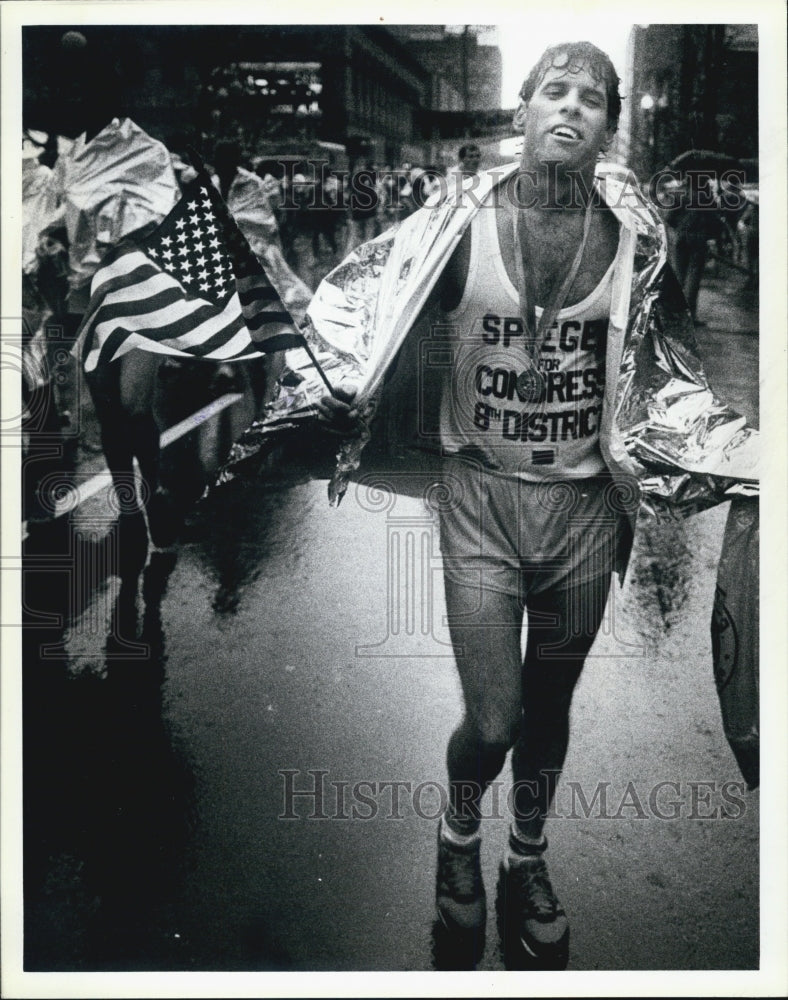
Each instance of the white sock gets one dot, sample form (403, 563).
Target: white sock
(531, 846)
(458, 839)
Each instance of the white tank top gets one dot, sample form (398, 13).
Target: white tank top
(485, 411)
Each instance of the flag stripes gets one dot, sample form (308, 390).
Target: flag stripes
(192, 288)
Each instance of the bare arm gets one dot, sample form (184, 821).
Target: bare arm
(338, 411)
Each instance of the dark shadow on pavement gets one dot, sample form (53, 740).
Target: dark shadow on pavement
(108, 797)
(456, 950)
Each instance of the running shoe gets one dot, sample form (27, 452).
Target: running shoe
(533, 916)
(459, 895)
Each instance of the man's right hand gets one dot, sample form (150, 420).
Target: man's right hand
(338, 413)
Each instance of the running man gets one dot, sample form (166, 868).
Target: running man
(544, 251)
(547, 287)
(543, 247)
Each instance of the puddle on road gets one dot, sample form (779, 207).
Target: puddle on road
(247, 530)
(660, 573)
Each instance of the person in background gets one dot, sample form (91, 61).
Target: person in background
(469, 157)
(247, 196)
(697, 217)
(326, 212)
(251, 200)
(100, 198)
(425, 183)
(363, 202)
(47, 406)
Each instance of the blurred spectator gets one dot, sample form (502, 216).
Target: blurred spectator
(363, 201)
(398, 193)
(113, 181)
(696, 218)
(425, 183)
(36, 195)
(248, 197)
(45, 410)
(326, 212)
(469, 157)
(749, 235)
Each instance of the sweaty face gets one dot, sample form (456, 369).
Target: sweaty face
(566, 119)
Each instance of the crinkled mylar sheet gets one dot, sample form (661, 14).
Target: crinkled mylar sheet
(685, 448)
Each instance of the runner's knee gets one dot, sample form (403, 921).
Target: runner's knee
(497, 735)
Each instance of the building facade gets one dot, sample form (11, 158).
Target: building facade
(284, 88)
(691, 87)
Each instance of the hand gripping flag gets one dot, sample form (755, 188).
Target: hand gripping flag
(192, 288)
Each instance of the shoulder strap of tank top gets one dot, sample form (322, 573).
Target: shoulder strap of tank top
(535, 335)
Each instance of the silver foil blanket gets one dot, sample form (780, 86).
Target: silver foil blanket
(683, 447)
(115, 184)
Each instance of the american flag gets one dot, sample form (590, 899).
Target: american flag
(193, 288)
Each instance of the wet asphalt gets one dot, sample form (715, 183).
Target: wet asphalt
(233, 760)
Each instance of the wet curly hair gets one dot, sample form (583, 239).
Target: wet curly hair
(574, 56)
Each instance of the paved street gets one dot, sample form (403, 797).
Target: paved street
(178, 731)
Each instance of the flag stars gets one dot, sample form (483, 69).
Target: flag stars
(198, 245)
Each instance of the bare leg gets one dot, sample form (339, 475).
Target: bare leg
(116, 443)
(554, 658)
(485, 629)
(137, 385)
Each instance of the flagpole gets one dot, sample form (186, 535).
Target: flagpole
(316, 363)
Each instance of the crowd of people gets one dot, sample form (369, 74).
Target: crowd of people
(339, 209)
